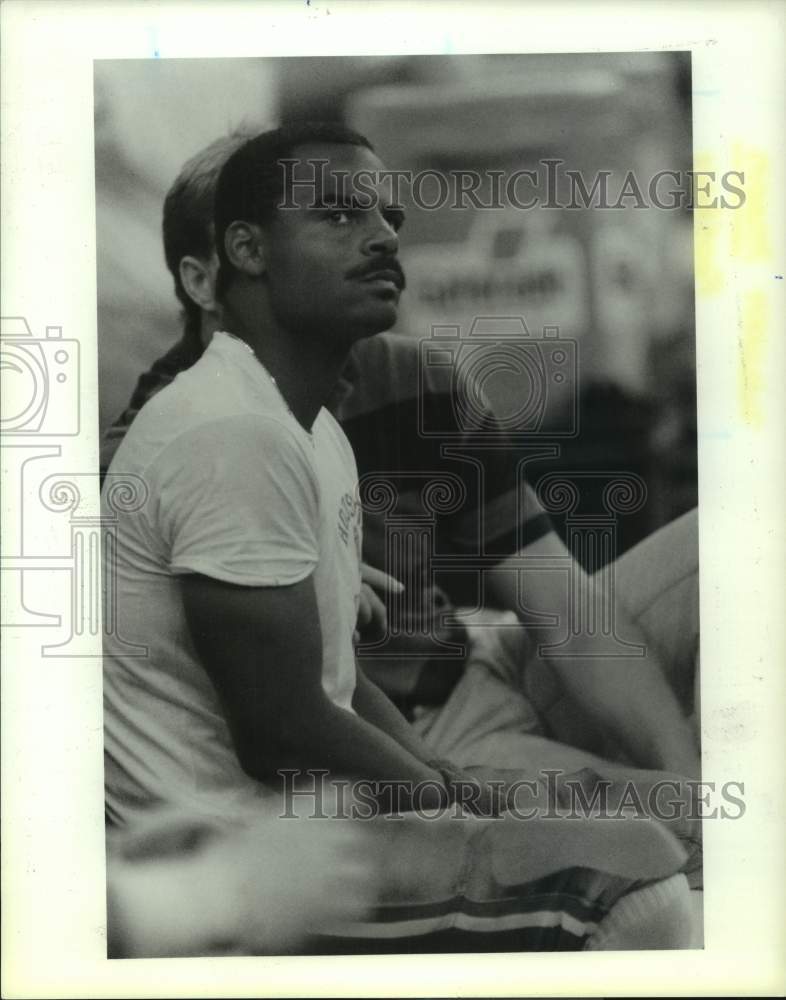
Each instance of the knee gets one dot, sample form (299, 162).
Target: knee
(660, 916)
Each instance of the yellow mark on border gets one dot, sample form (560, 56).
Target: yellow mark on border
(750, 234)
(730, 231)
(707, 235)
(753, 320)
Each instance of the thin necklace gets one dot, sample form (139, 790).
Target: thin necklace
(276, 386)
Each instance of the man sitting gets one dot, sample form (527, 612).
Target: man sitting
(241, 572)
(380, 400)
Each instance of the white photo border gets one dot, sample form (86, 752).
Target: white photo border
(53, 858)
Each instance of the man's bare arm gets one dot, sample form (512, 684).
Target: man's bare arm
(375, 707)
(262, 647)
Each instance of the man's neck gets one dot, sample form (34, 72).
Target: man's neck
(209, 324)
(305, 370)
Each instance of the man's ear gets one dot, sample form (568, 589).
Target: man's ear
(199, 280)
(244, 248)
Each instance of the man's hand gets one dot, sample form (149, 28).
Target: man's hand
(481, 791)
(372, 615)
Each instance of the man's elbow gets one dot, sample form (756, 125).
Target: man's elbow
(286, 741)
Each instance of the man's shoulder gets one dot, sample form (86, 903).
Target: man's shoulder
(214, 387)
(182, 404)
(330, 435)
(205, 413)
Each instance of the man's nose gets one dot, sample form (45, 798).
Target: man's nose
(382, 240)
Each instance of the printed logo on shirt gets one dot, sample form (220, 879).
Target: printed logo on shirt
(349, 520)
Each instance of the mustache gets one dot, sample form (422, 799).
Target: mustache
(371, 267)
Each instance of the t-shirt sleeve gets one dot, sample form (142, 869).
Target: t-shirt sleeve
(238, 501)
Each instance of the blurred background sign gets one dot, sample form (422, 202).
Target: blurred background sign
(595, 273)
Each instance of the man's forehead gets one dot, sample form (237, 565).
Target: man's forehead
(340, 156)
(332, 170)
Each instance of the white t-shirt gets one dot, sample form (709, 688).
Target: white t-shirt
(240, 492)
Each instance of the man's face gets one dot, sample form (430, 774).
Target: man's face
(332, 264)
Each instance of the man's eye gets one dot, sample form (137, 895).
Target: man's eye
(340, 216)
(395, 219)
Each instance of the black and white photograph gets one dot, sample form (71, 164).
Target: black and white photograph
(383, 562)
(425, 527)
